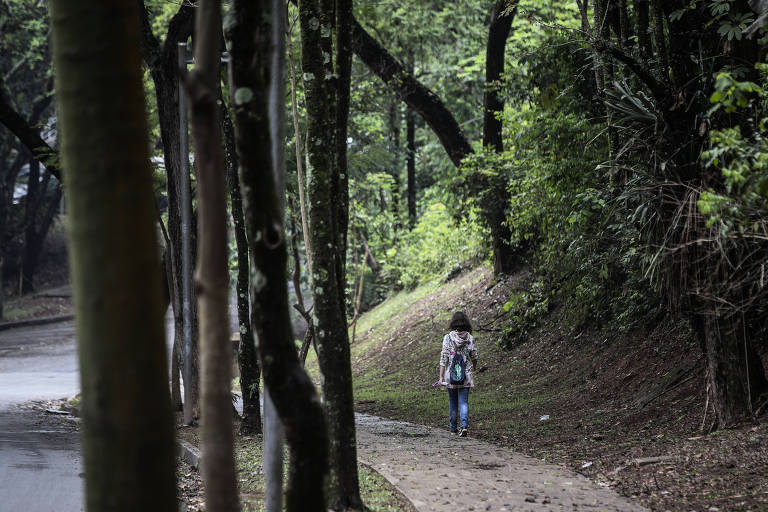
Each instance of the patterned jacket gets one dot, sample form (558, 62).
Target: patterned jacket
(459, 342)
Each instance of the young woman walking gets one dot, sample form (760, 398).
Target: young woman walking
(459, 356)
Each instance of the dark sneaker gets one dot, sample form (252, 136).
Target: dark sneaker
(463, 432)
(454, 432)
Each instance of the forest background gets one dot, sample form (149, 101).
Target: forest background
(617, 148)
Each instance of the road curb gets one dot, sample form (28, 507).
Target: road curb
(36, 321)
(188, 453)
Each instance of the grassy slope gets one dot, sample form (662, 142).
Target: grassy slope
(599, 389)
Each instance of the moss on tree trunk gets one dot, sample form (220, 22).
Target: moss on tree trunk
(250, 32)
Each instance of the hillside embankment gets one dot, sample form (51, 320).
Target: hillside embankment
(626, 409)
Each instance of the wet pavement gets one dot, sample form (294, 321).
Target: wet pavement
(39, 460)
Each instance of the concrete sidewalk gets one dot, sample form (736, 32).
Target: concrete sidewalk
(438, 471)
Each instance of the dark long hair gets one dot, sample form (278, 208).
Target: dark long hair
(460, 322)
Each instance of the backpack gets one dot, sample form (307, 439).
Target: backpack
(457, 369)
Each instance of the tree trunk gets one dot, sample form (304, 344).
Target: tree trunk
(29, 261)
(624, 24)
(126, 407)
(301, 182)
(291, 389)
(659, 38)
(327, 106)
(394, 149)
(212, 272)
(498, 32)
(735, 372)
(248, 360)
(643, 37)
(495, 208)
(39, 216)
(163, 66)
(178, 405)
(410, 164)
(7, 184)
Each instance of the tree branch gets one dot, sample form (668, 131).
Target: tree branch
(412, 92)
(25, 132)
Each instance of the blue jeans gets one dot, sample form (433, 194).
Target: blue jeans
(458, 401)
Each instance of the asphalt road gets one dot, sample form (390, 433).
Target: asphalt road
(39, 457)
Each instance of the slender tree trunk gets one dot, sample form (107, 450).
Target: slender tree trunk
(410, 164)
(125, 404)
(299, 163)
(248, 359)
(659, 38)
(30, 252)
(309, 336)
(495, 208)
(394, 149)
(7, 185)
(35, 238)
(291, 389)
(178, 405)
(4, 202)
(643, 37)
(162, 61)
(212, 273)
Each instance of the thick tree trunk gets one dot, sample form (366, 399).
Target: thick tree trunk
(325, 99)
(495, 207)
(126, 407)
(290, 387)
(248, 359)
(212, 272)
(735, 373)
(498, 32)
